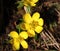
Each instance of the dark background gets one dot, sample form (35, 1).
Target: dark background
(6, 8)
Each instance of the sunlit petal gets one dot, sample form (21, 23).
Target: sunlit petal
(32, 4)
(34, 1)
(16, 44)
(24, 44)
(31, 33)
(41, 22)
(38, 29)
(23, 35)
(36, 16)
(27, 18)
(27, 26)
(13, 34)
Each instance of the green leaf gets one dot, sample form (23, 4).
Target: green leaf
(28, 9)
(21, 20)
(18, 27)
(20, 4)
(35, 37)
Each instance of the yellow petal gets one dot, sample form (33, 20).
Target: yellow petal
(13, 34)
(36, 16)
(27, 26)
(27, 18)
(23, 35)
(41, 22)
(32, 4)
(25, 3)
(22, 26)
(24, 44)
(38, 29)
(16, 44)
(31, 33)
(34, 1)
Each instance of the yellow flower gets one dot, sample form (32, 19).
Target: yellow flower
(18, 39)
(30, 2)
(32, 24)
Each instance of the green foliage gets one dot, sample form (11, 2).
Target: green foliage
(28, 9)
(18, 28)
(36, 37)
(20, 4)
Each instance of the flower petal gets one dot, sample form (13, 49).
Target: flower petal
(16, 44)
(27, 18)
(41, 22)
(24, 44)
(32, 4)
(22, 26)
(38, 29)
(36, 16)
(25, 3)
(13, 34)
(34, 1)
(31, 33)
(23, 35)
(27, 26)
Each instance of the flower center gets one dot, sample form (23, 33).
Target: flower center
(34, 24)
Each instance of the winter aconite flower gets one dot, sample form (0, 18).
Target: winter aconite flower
(30, 2)
(18, 39)
(32, 24)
